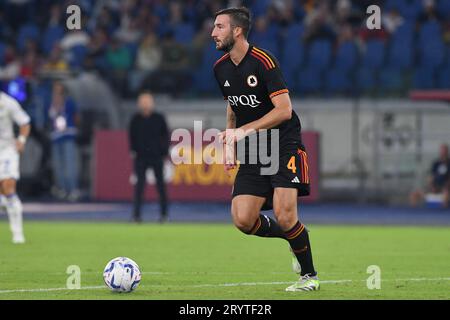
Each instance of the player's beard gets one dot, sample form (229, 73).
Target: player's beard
(227, 43)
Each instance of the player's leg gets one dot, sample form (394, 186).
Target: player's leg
(58, 171)
(250, 193)
(446, 196)
(13, 207)
(158, 169)
(72, 165)
(416, 198)
(140, 168)
(245, 210)
(2, 199)
(285, 209)
(9, 174)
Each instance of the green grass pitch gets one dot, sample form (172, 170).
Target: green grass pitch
(215, 261)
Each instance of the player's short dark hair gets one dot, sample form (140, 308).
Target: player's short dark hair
(240, 17)
(145, 92)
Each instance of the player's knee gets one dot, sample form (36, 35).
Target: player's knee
(8, 188)
(286, 217)
(241, 222)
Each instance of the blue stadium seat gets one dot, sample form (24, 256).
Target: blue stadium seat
(319, 54)
(204, 81)
(443, 7)
(267, 40)
(338, 80)
(404, 33)
(51, 36)
(366, 79)
(346, 56)
(2, 53)
(391, 78)
(400, 54)
(432, 54)
(184, 33)
(424, 78)
(260, 7)
(294, 31)
(444, 78)
(447, 56)
(410, 9)
(429, 31)
(291, 60)
(26, 32)
(392, 4)
(309, 81)
(374, 54)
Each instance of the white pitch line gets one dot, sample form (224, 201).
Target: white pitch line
(423, 279)
(49, 289)
(235, 284)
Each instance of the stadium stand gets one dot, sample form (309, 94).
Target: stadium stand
(305, 35)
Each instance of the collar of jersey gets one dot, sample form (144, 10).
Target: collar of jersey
(250, 47)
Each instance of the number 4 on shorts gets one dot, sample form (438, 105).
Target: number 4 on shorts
(291, 165)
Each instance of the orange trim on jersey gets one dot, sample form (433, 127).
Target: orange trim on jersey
(222, 58)
(273, 94)
(266, 55)
(262, 59)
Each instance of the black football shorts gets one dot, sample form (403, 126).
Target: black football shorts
(292, 173)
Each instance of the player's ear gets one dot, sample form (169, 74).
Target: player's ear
(237, 31)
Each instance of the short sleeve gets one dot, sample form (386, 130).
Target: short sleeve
(273, 79)
(19, 116)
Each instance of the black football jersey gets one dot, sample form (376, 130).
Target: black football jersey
(249, 87)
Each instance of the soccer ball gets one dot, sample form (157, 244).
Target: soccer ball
(122, 274)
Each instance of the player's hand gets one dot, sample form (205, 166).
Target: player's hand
(231, 136)
(228, 157)
(20, 146)
(223, 137)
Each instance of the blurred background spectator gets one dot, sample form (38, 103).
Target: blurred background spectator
(64, 119)
(437, 189)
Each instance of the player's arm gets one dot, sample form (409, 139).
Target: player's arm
(21, 118)
(229, 154)
(273, 80)
(231, 118)
(279, 114)
(24, 132)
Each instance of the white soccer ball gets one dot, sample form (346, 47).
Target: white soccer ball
(122, 274)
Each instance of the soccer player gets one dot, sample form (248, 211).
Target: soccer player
(10, 148)
(251, 81)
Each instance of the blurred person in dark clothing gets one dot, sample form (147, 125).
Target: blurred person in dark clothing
(149, 145)
(438, 180)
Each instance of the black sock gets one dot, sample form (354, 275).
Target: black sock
(267, 227)
(299, 240)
